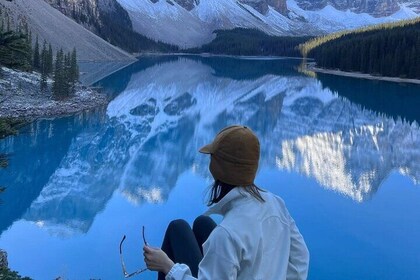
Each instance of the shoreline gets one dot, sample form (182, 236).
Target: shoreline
(359, 75)
(309, 66)
(54, 108)
(250, 57)
(21, 98)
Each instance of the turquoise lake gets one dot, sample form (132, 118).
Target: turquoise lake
(343, 153)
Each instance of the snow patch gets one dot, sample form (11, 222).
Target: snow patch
(175, 25)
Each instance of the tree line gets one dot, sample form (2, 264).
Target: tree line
(391, 49)
(242, 41)
(15, 47)
(18, 52)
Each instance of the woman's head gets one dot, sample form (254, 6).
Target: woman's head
(235, 153)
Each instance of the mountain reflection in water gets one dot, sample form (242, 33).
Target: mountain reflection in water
(344, 164)
(151, 131)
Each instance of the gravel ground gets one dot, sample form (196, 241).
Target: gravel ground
(312, 67)
(21, 97)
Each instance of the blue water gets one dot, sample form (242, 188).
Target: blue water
(343, 153)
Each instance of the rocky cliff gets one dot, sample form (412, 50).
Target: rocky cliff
(51, 25)
(377, 8)
(263, 6)
(93, 14)
(413, 4)
(107, 19)
(187, 4)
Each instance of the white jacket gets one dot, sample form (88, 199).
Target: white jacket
(254, 241)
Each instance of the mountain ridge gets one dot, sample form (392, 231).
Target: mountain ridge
(191, 23)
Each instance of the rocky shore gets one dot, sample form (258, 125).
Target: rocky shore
(21, 97)
(312, 67)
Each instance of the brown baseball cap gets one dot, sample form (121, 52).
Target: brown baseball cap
(235, 153)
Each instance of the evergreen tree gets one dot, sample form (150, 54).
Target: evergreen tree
(67, 74)
(36, 58)
(28, 35)
(241, 41)
(64, 74)
(58, 84)
(14, 50)
(44, 67)
(74, 68)
(26, 30)
(387, 49)
(50, 60)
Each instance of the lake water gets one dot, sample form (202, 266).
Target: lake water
(343, 153)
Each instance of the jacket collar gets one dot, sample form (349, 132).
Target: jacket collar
(227, 202)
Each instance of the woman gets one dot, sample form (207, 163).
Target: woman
(257, 238)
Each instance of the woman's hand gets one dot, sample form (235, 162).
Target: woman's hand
(157, 260)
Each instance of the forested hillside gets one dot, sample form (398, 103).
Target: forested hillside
(16, 52)
(241, 41)
(388, 50)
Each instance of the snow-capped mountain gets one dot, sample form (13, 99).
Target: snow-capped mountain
(190, 23)
(377, 8)
(162, 117)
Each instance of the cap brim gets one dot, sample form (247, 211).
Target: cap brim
(207, 149)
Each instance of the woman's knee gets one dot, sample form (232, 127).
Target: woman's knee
(203, 221)
(178, 225)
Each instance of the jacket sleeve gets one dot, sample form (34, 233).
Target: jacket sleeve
(220, 260)
(298, 266)
(179, 271)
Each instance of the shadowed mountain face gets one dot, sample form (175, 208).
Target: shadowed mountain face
(263, 6)
(152, 130)
(187, 4)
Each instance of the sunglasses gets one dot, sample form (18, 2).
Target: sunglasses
(126, 274)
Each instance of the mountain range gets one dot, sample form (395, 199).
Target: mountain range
(191, 23)
(165, 25)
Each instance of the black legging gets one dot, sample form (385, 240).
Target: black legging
(183, 245)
